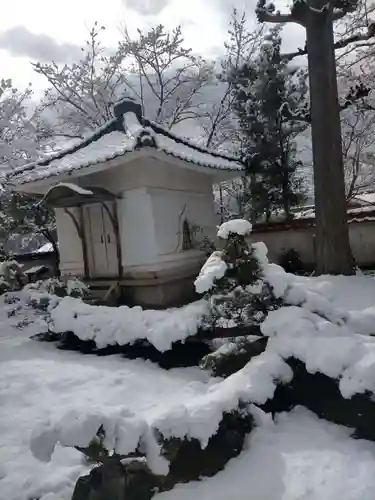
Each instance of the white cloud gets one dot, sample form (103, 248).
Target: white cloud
(146, 7)
(32, 30)
(21, 42)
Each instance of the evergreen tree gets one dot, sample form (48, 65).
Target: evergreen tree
(232, 280)
(240, 298)
(268, 146)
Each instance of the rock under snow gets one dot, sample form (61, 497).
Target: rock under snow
(200, 419)
(298, 457)
(123, 432)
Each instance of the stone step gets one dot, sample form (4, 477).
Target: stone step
(103, 294)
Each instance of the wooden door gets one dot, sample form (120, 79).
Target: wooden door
(101, 242)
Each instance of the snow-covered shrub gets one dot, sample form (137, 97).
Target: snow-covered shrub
(233, 355)
(234, 284)
(109, 326)
(153, 458)
(40, 302)
(291, 261)
(28, 310)
(232, 280)
(42, 297)
(11, 276)
(54, 286)
(50, 286)
(76, 288)
(34, 301)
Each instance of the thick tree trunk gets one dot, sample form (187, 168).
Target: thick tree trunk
(333, 253)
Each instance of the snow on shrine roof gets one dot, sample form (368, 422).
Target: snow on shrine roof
(116, 139)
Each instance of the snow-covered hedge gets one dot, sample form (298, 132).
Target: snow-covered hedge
(108, 326)
(324, 346)
(72, 287)
(309, 328)
(11, 275)
(124, 432)
(125, 325)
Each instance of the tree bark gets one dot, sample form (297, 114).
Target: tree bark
(333, 253)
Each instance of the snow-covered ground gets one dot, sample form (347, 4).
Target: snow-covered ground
(298, 457)
(38, 382)
(350, 293)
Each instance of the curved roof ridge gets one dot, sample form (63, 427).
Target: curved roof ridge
(186, 142)
(103, 144)
(109, 126)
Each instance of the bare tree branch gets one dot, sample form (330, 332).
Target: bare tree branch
(358, 136)
(242, 45)
(338, 45)
(268, 17)
(355, 94)
(301, 116)
(339, 14)
(266, 12)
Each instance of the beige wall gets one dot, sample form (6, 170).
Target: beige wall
(362, 240)
(278, 242)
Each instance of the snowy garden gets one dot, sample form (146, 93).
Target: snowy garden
(138, 178)
(285, 414)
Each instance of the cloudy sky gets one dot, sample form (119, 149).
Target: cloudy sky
(45, 30)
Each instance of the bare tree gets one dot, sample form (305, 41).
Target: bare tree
(355, 65)
(17, 126)
(218, 121)
(155, 67)
(234, 199)
(357, 137)
(168, 78)
(352, 56)
(80, 94)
